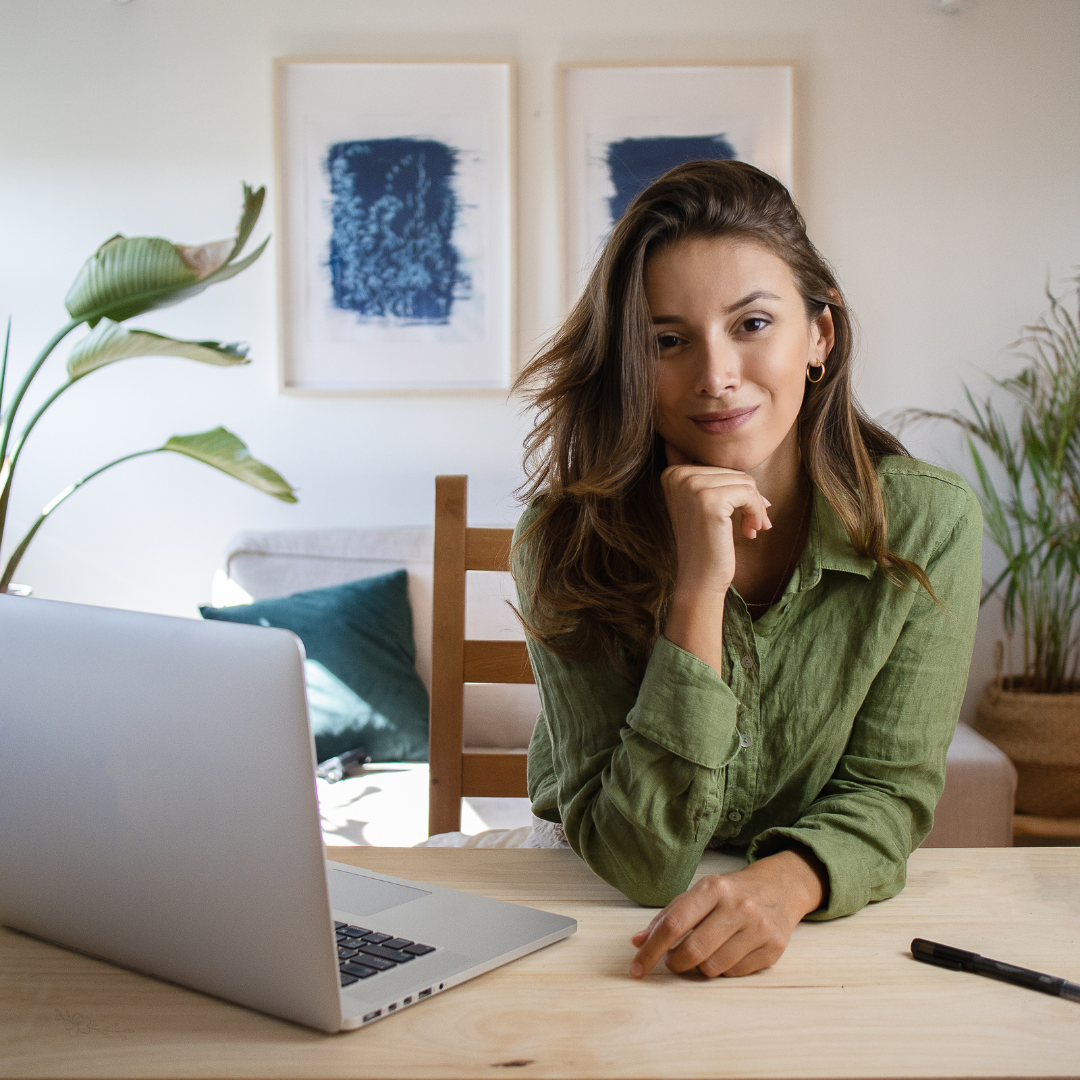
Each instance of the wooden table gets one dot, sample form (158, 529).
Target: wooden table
(846, 1000)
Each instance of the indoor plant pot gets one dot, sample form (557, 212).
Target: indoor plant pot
(1041, 735)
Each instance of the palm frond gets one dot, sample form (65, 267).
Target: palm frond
(1027, 477)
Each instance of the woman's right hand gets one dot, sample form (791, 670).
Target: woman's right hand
(703, 501)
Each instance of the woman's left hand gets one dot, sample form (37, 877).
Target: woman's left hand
(734, 924)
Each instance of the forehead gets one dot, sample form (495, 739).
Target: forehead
(725, 268)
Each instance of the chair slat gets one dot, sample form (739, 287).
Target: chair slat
(497, 662)
(495, 774)
(455, 661)
(447, 636)
(488, 549)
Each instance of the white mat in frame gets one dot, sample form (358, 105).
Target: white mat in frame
(394, 224)
(623, 122)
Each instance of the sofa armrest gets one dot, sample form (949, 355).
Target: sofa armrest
(976, 808)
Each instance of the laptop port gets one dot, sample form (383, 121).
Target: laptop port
(372, 1015)
(391, 1008)
(425, 993)
(407, 1001)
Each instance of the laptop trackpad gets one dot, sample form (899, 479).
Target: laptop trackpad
(363, 895)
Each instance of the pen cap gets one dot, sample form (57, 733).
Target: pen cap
(930, 952)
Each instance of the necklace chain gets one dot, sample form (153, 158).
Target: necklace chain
(791, 557)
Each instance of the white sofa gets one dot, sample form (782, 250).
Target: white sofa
(980, 785)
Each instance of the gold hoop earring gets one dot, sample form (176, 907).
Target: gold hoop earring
(821, 376)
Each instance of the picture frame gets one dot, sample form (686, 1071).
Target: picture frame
(395, 220)
(624, 124)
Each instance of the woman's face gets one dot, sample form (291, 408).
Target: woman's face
(734, 342)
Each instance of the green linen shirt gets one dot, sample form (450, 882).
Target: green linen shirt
(827, 727)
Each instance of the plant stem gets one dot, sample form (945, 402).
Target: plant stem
(3, 364)
(5, 467)
(7, 417)
(14, 455)
(7, 420)
(20, 551)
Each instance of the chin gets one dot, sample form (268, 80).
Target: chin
(740, 459)
(735, 464)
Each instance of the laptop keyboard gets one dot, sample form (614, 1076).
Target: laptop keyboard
(363, 953)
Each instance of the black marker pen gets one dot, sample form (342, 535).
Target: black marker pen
(929, 952)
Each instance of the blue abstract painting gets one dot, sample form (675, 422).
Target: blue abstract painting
(633, 164)
(393, 213)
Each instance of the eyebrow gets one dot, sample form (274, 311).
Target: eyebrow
(749, 298)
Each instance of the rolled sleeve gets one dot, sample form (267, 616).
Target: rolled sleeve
(679, 686)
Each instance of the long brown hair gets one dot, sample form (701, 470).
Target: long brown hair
(601, 548)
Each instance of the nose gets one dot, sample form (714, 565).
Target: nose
(718, 371)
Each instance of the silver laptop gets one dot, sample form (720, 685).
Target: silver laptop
(158, 810)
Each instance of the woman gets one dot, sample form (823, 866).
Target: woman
(750, 611)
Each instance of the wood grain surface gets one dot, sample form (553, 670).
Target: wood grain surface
(456, 661)
(447, 655)
(498, 774)
(488, 549)
(846, 1000)
(497, 661)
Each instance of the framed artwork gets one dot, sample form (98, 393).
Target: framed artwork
(394, 225)
(625, 125)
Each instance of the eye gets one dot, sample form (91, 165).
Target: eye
(754, 324)
(668, 341)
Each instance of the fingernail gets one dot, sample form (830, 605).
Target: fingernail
(636, 970)
(765, 501)
(768, 522)
(753, 534)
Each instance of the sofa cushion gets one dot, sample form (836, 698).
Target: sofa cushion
(273, 562)
(363, 689)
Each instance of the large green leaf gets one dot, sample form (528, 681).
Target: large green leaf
(129, 275)
(224, 451)
(111, 342)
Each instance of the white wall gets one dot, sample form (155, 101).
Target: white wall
(938, 167)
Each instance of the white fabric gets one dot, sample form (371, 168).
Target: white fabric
(400, 544)
(541, 834)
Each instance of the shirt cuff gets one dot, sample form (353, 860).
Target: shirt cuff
(685, 707)
(849, 889)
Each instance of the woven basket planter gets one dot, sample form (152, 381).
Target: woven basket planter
(1041, 735)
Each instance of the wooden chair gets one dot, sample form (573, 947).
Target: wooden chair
(455, 661)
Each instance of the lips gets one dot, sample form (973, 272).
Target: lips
(719, 423)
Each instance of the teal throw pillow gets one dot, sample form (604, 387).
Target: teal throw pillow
(363, 689)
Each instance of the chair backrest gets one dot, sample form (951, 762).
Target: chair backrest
(456, 661)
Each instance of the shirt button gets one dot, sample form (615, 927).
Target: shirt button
(744, 739)
(735, 815)
(748, 661)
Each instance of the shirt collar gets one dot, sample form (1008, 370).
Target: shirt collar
(829, 547)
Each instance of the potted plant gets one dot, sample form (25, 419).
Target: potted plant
(1027, 468)
(126, 277)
